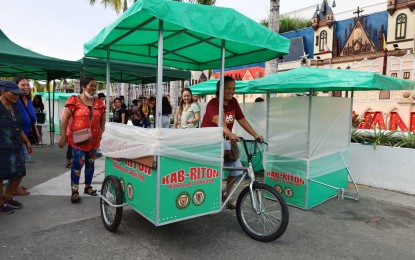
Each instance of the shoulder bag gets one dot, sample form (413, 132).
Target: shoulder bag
(84, 135)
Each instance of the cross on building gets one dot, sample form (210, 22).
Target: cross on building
(358, 11)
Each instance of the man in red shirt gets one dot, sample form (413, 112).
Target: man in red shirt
(231, 112)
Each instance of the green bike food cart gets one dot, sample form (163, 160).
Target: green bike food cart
(308, 159)
(169, 175)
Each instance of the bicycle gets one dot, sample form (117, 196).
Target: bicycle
(261, 210)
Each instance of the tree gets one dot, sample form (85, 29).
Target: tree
(271, 67)
(289, 23)
(119, 5)
(202, 2)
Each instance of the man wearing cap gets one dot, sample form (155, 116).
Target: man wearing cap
(12, 159)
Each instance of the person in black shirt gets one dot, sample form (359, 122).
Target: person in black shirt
(38, 104)
(166, 111)
(119, 112)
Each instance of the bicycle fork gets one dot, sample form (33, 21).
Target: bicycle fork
(256, 198)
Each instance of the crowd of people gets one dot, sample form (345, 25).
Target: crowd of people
(142, 112)
(83, 123)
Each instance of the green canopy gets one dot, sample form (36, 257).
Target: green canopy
(209, 87)
(16, 60)
(128, 72)
(304, 79)
(192, 33)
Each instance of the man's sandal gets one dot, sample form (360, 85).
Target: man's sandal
(75, 196)
(90, 191)
(231, 204)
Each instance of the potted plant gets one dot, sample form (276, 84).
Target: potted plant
(383, 159)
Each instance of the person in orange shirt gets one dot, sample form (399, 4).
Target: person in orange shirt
(86, 111)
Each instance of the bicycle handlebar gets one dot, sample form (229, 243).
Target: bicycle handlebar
(241, 139)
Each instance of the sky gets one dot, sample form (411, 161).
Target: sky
(58, 28)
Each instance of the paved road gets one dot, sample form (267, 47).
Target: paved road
(381, 225)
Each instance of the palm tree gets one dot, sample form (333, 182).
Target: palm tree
(202, 2)
(271, 67)
(117, 5)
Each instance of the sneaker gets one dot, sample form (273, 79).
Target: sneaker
(4, 209)
(14, 204)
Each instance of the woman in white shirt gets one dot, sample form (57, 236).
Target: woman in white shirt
(188, 112)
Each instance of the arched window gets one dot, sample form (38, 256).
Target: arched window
(400, 32)
(323, 41)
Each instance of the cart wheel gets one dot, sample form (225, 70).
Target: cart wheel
(270, 220)
(111, 190)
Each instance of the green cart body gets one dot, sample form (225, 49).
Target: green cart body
(175, 187)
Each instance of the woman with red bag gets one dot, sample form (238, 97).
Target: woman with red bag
(86, 111)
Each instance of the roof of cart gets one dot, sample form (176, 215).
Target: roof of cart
(192, 36)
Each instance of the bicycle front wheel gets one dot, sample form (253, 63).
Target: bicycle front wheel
(270, 220)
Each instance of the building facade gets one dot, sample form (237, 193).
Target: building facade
(381, 42)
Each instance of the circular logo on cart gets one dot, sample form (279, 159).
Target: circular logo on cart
(278, 188)
(122, 184)
(182, 200)
(130, 191)
(288, 192)
(199, 197)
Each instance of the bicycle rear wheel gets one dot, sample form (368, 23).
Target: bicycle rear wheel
(270, 220)
(111, 190)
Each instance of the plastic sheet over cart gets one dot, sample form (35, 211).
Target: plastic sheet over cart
(309, 152)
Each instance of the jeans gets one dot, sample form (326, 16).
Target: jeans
(81, 158)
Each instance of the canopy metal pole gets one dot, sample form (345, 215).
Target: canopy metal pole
(52, 141)
(310, 107)
(222, 83)
(267, 116)
(310, 99)
(51, 122)
(159, 76)
(108, 79)
(158, 118)
(351, 118)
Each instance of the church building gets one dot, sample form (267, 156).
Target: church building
(381, 42)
